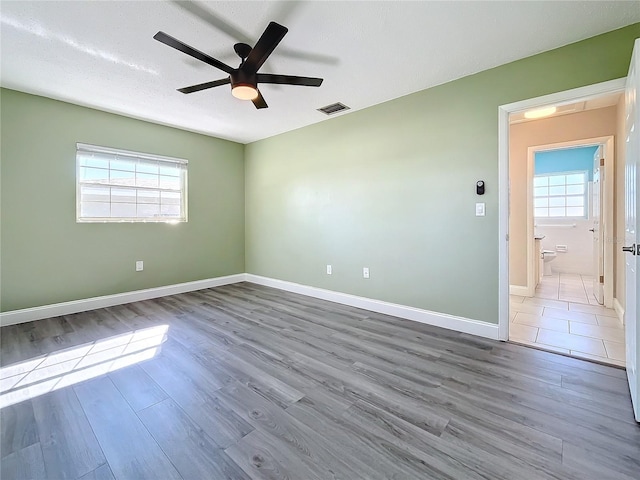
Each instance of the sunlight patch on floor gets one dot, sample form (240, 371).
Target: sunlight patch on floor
(37, 376)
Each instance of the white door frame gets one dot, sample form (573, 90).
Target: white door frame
(558, 99)
(607, 214)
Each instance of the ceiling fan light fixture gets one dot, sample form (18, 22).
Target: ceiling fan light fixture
(245, 92)
(540, 112)
(244, 80)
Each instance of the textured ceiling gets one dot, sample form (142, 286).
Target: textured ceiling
(102, 54)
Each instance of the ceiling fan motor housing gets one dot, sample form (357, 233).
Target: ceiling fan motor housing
(240, 78)
(242, 49)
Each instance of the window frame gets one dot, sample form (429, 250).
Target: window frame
(134, 157)
(585, 195)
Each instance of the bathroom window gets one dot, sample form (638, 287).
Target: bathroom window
(560, 195)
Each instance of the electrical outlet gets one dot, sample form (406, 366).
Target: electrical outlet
(365, 272)
(329, 270)
(139, 265)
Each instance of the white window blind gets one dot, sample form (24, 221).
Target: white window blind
(560, 195)
(123, 186)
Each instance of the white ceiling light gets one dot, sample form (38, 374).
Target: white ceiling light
(540, 112)
(244, 92)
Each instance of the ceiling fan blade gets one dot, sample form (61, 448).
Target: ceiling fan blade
(203, 12)
(289, 80)
(204, 86)
(259, 101)
(184, 48)
(263, 48)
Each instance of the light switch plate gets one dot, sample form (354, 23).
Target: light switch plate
(329, 270)
(139, 265)
(480, 209)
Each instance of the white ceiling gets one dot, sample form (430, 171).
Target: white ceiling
(102, 54)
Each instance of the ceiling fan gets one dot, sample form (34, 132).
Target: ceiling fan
(244, 80)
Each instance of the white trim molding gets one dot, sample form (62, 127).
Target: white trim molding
(606, 220)
(557, 99)
(519, 290)
(451, 322)
(617, 306)
(66, 308)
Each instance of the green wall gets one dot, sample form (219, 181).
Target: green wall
(392, 187)
(46, 257)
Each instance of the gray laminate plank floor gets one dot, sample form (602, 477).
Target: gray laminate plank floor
(249, 382)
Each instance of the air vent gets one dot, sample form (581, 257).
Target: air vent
(333, 108)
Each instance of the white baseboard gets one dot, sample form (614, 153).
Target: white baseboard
(519, 290)
(617, 306)
(451, 322)
(66, 308)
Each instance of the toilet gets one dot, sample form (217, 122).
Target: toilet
(548, 256)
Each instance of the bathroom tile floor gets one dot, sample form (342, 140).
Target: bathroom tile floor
(567, 287)
(564, 317)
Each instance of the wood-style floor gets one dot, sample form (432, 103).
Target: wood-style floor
(247, 382)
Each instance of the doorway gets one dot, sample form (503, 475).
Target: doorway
(570, 215)
(546, 311)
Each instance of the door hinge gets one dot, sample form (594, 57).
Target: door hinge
(602, 162)
(601, 278)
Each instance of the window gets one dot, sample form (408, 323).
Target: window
(121, 186)
(560, 195)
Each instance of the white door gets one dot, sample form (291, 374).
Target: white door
(632, 232)
(596, 214)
